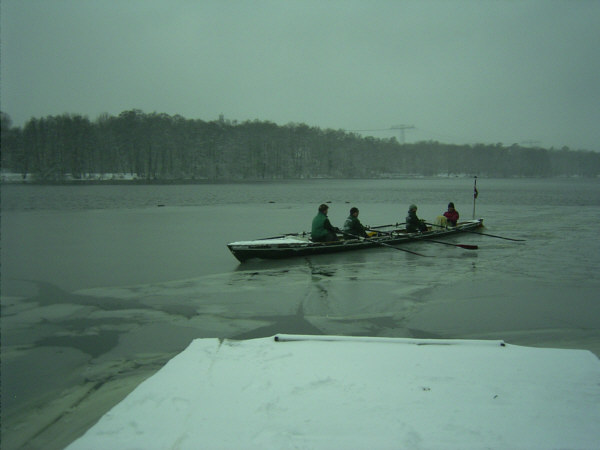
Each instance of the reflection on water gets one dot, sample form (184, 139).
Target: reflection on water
(295, 324)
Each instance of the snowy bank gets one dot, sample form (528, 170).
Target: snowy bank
(352, 392)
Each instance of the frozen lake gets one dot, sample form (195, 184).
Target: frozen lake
(103, 284)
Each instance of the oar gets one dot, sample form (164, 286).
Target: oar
(493, 235)
(479, 232)
(383, 226)
(465, 246)
(386, 245)
(282, 236)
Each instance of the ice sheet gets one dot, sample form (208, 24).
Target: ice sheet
(324, 392)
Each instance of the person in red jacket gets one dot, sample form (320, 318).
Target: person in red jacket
(451, 215)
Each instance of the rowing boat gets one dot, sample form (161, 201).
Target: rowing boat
(300, 244)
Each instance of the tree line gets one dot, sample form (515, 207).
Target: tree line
(160, 147)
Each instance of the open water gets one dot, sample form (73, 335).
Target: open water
(101, 285)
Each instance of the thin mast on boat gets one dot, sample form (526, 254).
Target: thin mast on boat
(475, 194)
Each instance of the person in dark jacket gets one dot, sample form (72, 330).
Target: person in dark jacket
(413, 223)
(322, 230)
(451, 215)
(352, 226)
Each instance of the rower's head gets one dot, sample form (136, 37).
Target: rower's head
(354, 210)
(450, 205)
(323, 208)
(412, 207)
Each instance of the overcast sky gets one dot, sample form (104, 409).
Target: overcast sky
(458, 71)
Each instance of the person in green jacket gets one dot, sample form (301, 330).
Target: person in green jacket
(322, 230)
(353, 227)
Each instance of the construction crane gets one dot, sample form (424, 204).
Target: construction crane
(531, 143)
(402, 128)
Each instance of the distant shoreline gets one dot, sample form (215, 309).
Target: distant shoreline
(15, 178)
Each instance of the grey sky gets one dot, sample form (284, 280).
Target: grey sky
(459, 71)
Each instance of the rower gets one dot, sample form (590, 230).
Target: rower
(450, 217)
(322, 230)
(413, 223)
(353, 227)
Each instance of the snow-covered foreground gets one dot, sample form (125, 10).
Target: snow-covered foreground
(334, 392)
